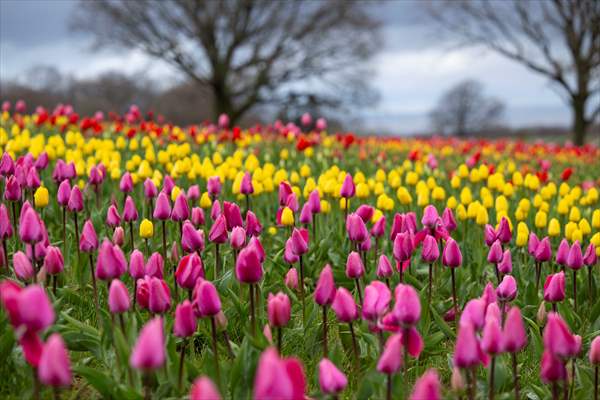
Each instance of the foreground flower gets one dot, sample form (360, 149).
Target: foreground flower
(331, 380)
(279, 378)
(149, 351)
(54, 368)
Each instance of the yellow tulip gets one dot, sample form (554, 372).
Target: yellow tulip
(146, 229)
(575, 214)
(577, 236)
(41, 197)
(541, 219)
(522, 239)
(287, 217)
(554, 227)
(482, 216)
(584, 227)
(596, 219)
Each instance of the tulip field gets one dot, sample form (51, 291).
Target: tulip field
(143, 260)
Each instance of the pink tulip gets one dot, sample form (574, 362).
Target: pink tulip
(532, 243)
(185, 321)
(514, 334)
(153, 294)
(136, 264)
(408, 305)
(306, 215)
(354, 266)
(356, 229)
(558, 339)
(505, 265)
(197, 216)
(390, 360)
(246, 186)
(451, 256)
(507, 289)
(204, 389)
(35, 311)
(111, 262)
(430, 252)
(233, 215)
(193, 193)
(291, 279)
(448, 220)
(466, 350)
(30, 229)
(344, 306)
(590, 258)
(12, 189)
(255, 245)
(331, 379)
(189, 270)
(168, 185)
(278, 309)
(150, 190)
(554, 287)
(6, 229)
(595, 351)
(562, 252)
(552, 368)
(118, 237)
(299, 241)
(207, 302)
(53, 261)
(325, 291)
(377, 300)
(248, 267)
(149, 350)
(118, 297)
(365, 212)
(130, 212)
(32, 179)
(126, 183)
(384, 267)
(288, 254)
(314, 200)
(155, 266)
(544, 250)
(88, 242)
(22, 266)
(162, 208)
(7, 165)
(503, 233)
(191, 239)
(427, 387)
(495, 253)
(253, 226)
(285, 190)
(218, 232)
(348, 189)
(492, 339)
(213, 186)
(430, 217)
(113, 219)
(54, 368)
(237, 238)
(378, 228)
(75, 203)
(279, 378)
(575, 257)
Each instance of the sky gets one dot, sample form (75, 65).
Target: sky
(411, 71)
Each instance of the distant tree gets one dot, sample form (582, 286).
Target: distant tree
(464, 110)
(248, 52)
(558, 39)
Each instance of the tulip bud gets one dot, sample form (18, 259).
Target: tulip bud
(253, 226)
(354, 266)
(331, 379)
(348, 189)
(149, 350)
(451, 256)
(130, 212)
(248, 267)
(118, 237)
(113, 219)
(75, 203)
(287, 217)
(278, 309)
(188, 271)
(325, 290)
(384, 267)
(22, 266)
(41, 197)
(213, 186)
(344, 306)
(185, 321)
(207, 302)
(126, 183)
(291, 279)
(218, 232)
(150, 190)
(204, 389)
(238, 237)
(427, 387)
(162, 208)
(430, 252)
(35, 309)
(146, 229)
(595, 351)
(54, 368)
(111, 262)
(246, 186)
(88, 242)
(197, 216)
(30, 229)
(390, 360)
(554, 287)
(53, 261)
(118, 297)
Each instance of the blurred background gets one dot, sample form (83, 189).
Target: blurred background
(468, 68)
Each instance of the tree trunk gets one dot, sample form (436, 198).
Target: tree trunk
(579, 121)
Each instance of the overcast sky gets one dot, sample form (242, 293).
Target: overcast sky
(411, 71)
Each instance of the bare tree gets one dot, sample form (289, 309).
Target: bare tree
(464, 110)
(249, 52)
(558, 39)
